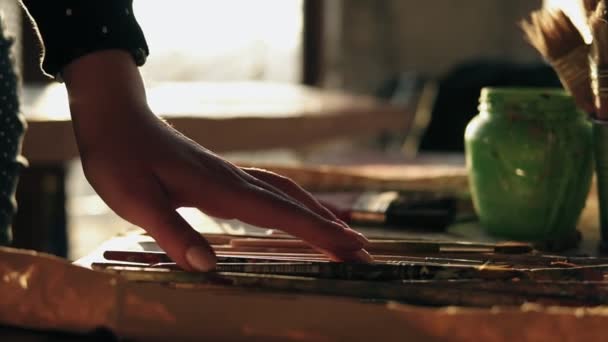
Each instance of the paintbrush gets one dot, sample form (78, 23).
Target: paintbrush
(589, 6)
(599, 79)
(553, 34)
(148, 259)
(386, 271)
(390, 246)
(151, 258)
(599, 59)
(142, 258)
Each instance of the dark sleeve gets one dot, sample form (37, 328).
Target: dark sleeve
(69, 29)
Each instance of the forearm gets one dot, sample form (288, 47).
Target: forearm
(105, 89)
(95, 47)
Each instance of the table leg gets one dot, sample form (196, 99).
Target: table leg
(41, 220)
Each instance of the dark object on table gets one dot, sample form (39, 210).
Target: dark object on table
(456, 99)
(424, 210)
(562, 244)
(8, 333)
(40, 223)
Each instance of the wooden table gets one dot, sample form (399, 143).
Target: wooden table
(529, 321)
(224, 117)
(220, 116)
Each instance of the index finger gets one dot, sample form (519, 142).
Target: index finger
(259, 207)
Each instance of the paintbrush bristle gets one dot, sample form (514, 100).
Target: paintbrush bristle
(599, 55)
(552, 33)
(599, 30)
(589, 6)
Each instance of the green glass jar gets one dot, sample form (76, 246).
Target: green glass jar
(529, 160)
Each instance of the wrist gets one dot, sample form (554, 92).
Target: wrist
(104, 80)
(106, 94)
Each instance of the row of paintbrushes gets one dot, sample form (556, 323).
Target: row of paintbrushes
(411, 271)
(395, 260)
(581, 67)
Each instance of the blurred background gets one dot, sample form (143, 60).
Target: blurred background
(429, 59)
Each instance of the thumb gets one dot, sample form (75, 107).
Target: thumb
(180, 241)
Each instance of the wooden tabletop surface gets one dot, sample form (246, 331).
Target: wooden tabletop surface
(224, 116)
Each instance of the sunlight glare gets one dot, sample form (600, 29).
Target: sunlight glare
(228, 33)
(574, 10)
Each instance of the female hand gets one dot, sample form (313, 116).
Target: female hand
(144, 170)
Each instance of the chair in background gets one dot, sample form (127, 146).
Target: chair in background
(456, 97)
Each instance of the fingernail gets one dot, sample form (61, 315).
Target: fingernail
(200, 258)
(362, 239)
(364, 256)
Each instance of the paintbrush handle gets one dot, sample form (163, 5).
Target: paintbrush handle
(153, 258)
(389, 246)
(371, 272)
(392, 271)
(224, 239)
(342, 271)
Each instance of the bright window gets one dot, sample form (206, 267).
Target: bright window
(222, 40)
